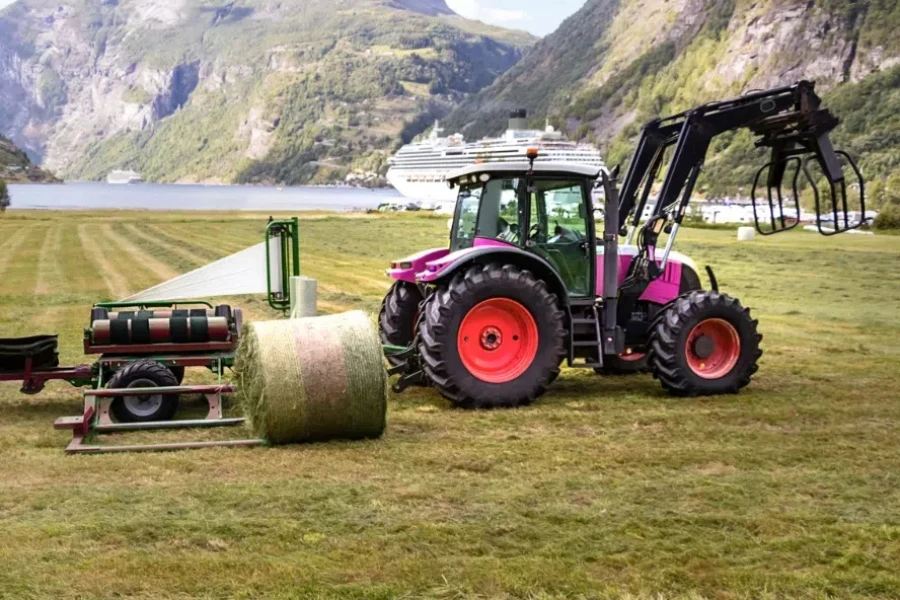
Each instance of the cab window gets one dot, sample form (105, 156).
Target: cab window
(487, 209)
(558, 230)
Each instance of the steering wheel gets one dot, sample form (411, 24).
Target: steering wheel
(563, 233)
(535, 231)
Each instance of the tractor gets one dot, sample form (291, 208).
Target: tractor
(528, 280)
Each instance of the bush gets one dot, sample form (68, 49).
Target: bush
(888, 218)
(4, 195)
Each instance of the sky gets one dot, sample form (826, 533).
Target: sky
(540, 17)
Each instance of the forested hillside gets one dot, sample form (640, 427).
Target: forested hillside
(618, 63)
(236, 90)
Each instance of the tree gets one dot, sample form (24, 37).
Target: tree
(4, 195)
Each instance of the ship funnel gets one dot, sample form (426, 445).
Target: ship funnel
(518, 119)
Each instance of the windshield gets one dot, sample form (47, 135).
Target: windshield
(487, 209)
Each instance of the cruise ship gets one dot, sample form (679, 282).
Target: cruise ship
(121, 177)
(419, 169)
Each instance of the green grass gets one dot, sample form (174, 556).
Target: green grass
(606, 488)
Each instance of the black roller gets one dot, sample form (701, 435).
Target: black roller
(178, 330)
(140, 331)
(199, 329)
(118, 332)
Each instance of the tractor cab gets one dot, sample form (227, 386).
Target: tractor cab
(543, 209)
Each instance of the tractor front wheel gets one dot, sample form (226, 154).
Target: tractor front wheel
(492, 338)
(398, 316)
(704, 343)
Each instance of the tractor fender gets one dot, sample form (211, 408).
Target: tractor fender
(442, 270)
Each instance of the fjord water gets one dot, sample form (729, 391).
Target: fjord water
(81, 196)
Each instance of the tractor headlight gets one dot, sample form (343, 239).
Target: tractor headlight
(406, 265)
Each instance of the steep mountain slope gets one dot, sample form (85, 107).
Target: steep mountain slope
(246, 90)
(15, 165)
(617, 63)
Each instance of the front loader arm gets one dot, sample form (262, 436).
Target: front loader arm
(788, 119)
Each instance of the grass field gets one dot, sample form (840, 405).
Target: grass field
(605, 488)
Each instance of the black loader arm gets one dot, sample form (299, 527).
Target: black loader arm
(789, 120)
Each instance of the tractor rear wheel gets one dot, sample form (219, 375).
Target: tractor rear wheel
(705, 343)
(398, 316)
(143, 408)
(492, 338)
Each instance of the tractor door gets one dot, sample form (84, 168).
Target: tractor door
(560, 230)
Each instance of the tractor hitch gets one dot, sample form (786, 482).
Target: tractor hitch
(410, 371)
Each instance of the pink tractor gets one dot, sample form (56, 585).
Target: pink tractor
(528, 282)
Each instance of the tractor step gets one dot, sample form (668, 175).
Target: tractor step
(583, 321)
(595, 340)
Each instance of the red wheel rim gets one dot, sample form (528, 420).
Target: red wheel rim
(497, 340)
(713, 348)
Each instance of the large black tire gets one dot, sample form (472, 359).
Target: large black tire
(144, 409)
(686, 358)
(178, 372)
(397, 319)
(621, 365)
(444, 314)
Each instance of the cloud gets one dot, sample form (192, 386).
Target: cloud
(475, 9)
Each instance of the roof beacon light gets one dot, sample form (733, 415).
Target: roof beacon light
(531, 153)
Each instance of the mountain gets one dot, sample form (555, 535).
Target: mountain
(15, 165)
(287, 91)
(617, 63)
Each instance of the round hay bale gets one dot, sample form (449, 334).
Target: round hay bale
(316, 378)
(746, 234)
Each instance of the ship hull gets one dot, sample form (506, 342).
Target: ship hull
(436, 190)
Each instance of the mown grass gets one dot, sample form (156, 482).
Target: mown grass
(605, 488)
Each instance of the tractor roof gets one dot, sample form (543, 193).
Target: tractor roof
(522, 167)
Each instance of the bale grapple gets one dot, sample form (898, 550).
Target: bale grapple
(528, 280)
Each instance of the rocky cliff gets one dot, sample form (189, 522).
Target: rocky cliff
(235, 90)
(617, 63)
(16, 167)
